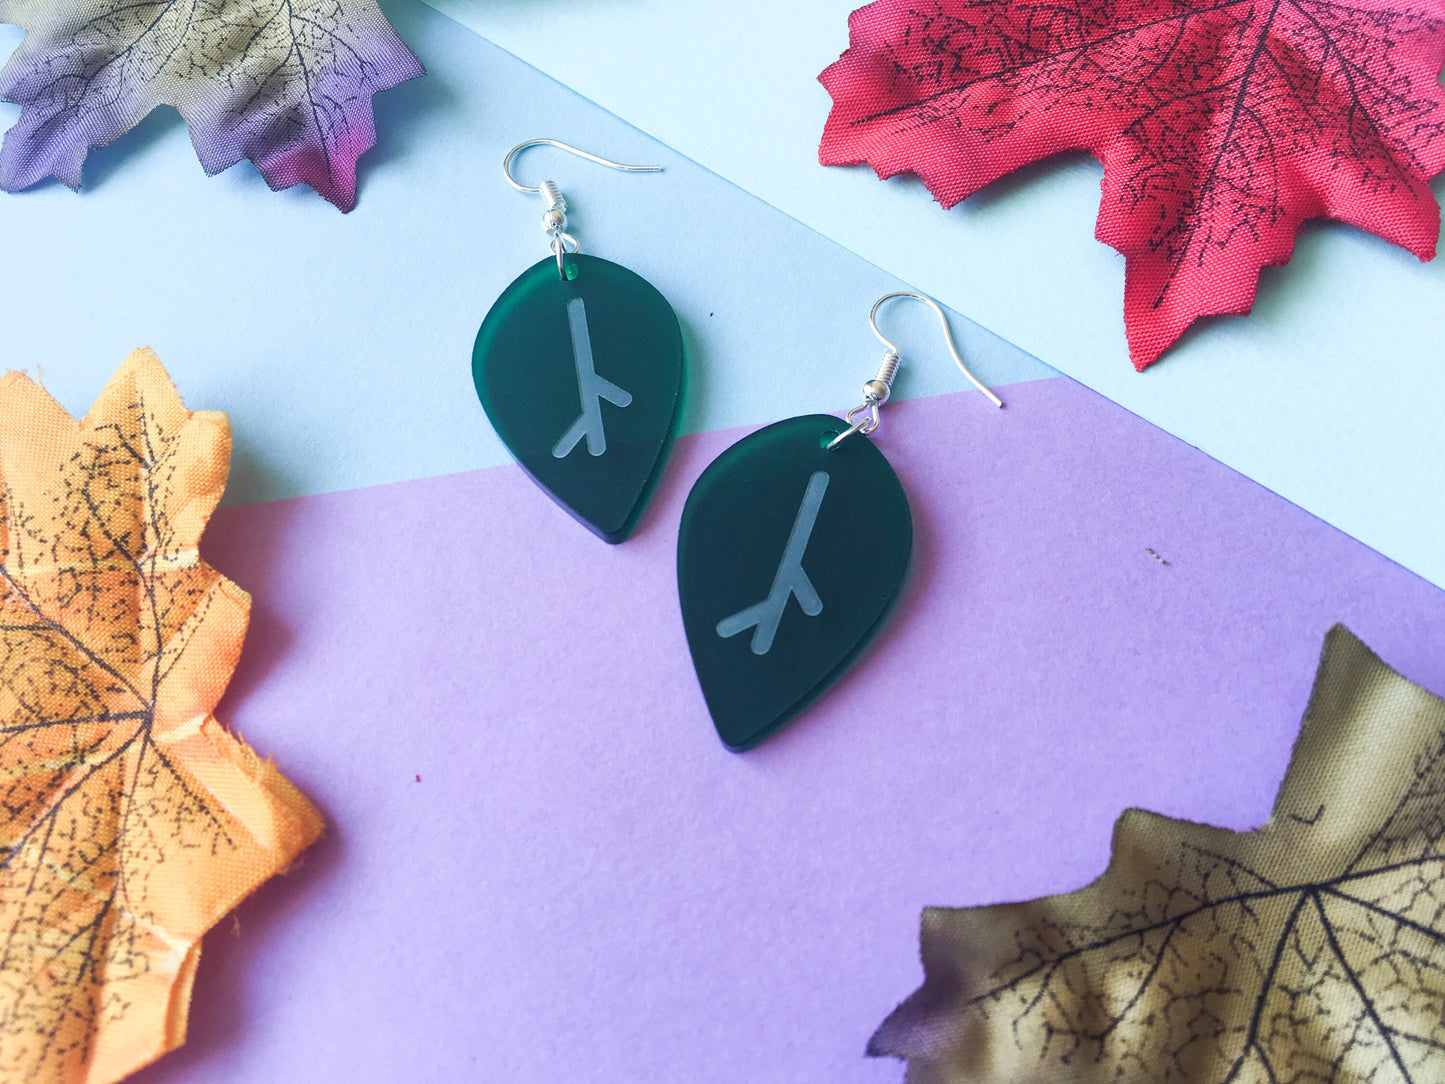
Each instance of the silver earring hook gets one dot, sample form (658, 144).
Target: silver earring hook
(878, 390)
(554, 220)
(947, 335)
(520, 147)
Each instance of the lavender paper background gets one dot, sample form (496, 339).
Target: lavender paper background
(584, 885)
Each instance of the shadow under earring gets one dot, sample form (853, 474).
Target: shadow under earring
(579, 366)
(793, 547)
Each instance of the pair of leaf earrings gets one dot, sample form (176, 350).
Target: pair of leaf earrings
(579, 366)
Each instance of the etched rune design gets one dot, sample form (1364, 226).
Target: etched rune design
(790, 581)
(591, 389)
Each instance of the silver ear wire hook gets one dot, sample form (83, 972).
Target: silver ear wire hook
(554, 220)
(878, 390)
(520, 147)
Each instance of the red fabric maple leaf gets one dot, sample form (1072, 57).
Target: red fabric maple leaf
(1222, 124)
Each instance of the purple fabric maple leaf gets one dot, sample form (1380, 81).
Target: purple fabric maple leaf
(285, 83)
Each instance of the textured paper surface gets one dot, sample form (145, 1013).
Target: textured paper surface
(1328, 394)
(503, 724)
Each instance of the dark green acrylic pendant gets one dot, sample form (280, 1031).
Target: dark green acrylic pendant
(581, 377)
(788, 559)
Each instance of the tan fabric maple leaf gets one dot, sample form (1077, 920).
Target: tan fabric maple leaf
(130, 820)
(1312, 949)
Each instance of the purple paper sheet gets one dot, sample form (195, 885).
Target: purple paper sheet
(542, 865)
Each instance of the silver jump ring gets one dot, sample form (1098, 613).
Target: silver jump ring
(866, 426)
(559, 249)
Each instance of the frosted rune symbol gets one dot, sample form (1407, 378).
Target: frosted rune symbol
(591, 388)
(789, 581)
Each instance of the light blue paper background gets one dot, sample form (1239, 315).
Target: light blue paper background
(1332, 393)
(341, 344)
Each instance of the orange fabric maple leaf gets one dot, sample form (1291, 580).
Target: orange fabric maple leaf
(131, 821)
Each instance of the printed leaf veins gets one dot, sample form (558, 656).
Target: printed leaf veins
(1311, 950)
(1222, 125)
(285, 83)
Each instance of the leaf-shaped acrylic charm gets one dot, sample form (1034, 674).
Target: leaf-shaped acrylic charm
(285, 83)
(788, 558)
(131, 820)
(582, 379)
(1310, 950)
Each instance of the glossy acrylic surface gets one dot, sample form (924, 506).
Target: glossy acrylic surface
(788, 558)
(582, 378)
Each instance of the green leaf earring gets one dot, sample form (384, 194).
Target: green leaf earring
(793, 546)
(579, 366)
